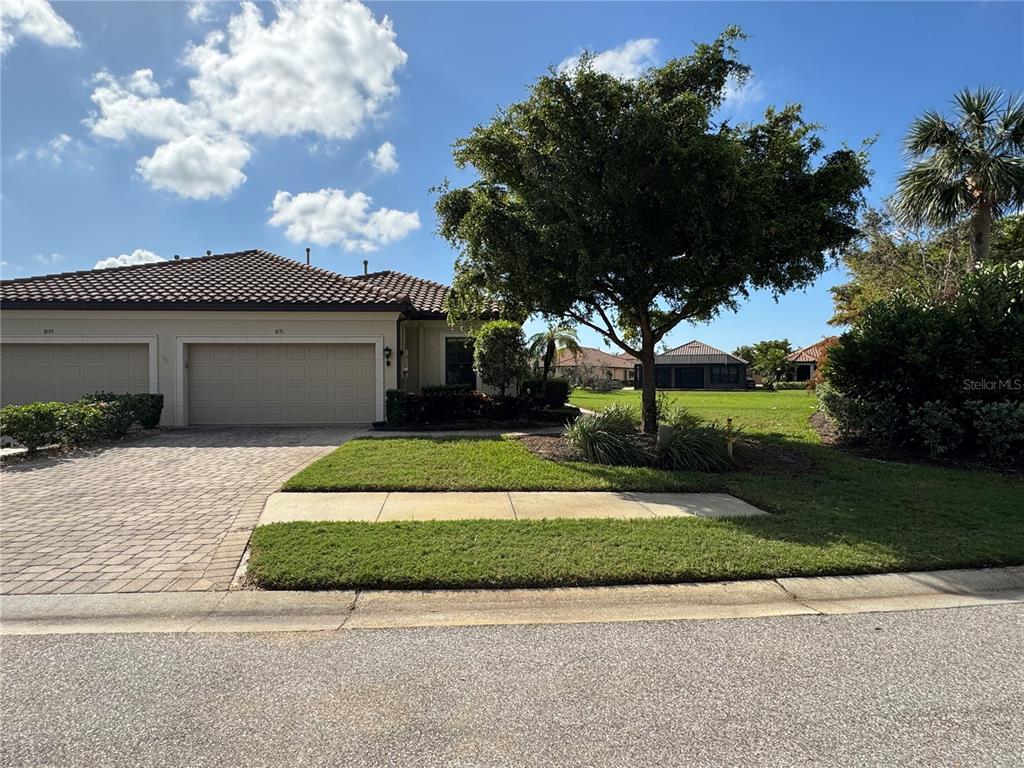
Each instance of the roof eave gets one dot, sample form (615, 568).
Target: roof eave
(179, 306)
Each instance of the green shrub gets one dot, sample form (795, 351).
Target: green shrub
(434, 389)
(554, 393)
(32, 425)
(998, 428)
(84, 422)
(937, 427)
(124, 410)
(566, 414)
(675, 415)
(906, 372)
(499, 353)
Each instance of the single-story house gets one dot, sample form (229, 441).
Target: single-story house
(802, 364)
(605, 365)
(235, 338)
(695, 365)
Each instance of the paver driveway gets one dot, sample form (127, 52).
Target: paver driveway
(168, 512)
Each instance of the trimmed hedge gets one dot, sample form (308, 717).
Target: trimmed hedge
(101, 416)
(438, 405)
(554, 392)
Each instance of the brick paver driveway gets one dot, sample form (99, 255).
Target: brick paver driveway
(168, 512)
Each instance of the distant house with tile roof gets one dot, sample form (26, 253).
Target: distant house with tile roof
(804, 363)
(619, 367)
(696, 365)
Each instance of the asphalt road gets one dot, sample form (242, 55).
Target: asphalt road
(928, 688)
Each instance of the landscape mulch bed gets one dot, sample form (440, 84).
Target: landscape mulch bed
(751, 456)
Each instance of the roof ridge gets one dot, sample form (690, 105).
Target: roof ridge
(147, 265)
(383, 292)
(386, 272)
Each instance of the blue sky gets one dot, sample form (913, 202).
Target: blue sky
(102, 159)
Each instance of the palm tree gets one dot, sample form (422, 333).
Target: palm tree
(560, 335)
(970, 167)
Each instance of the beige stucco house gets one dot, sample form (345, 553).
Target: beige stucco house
(617, 367)
(236, 338)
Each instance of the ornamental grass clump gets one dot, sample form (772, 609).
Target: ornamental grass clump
(610, 437)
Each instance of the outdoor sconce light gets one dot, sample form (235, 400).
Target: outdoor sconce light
(387, 355)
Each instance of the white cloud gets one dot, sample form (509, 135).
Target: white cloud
(384, 158)
(322, 68)
(197, 166)
(199, 11)
(48, 259)
(52, 152)
(739, 98)
(330, 217)
(138, 256)
(36, 19)
(627, 61)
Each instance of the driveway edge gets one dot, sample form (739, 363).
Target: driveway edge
(247, 611)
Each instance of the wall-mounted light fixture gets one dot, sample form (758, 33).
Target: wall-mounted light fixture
(387, 355)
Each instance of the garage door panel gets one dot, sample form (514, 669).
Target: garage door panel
(65, 372)
(281, 384)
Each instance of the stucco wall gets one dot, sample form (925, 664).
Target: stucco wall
(167, 329)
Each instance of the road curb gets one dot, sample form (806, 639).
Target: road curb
(250, 611)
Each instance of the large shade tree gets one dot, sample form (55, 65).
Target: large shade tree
(968, 166)
(629, 206)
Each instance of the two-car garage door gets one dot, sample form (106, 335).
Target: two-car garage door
(281, 383)
(64, 372)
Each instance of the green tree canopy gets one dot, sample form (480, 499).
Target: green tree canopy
(629, 204)
(925, 264)
(767, 358)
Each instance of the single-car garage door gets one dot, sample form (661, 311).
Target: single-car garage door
(64, 372)
(281, 383)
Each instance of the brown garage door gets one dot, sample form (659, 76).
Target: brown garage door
(281, 383)
(63, 372)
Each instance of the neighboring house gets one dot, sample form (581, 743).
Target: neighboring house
(802, 364)
(604, 364)
(695, 365)
(235, 338)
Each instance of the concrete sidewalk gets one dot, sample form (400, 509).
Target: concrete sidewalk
(349, 610)
(499, 505)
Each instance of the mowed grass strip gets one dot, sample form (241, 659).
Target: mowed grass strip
(849, 516)
(473, 464)
(757, 412)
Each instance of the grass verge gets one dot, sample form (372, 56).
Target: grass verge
(474, 464)
(849, 516)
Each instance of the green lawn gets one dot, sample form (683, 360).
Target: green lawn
(472, 464)
(782, 414)
(846, 515)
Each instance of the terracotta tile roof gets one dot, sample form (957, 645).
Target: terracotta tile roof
(426, 295)
(247, 280)
(814, 353)
(592, 356)
(697, 353)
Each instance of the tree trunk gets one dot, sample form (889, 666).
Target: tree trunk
(649, 392)
(981, 236)
(549, 355)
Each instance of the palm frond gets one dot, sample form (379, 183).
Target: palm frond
(978, 108)
(931, 131)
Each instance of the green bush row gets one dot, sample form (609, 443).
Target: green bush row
(554, 392)
(450, 406)
(101, 416)
(938, 377)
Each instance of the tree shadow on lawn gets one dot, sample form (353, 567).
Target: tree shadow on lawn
(920, 516)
